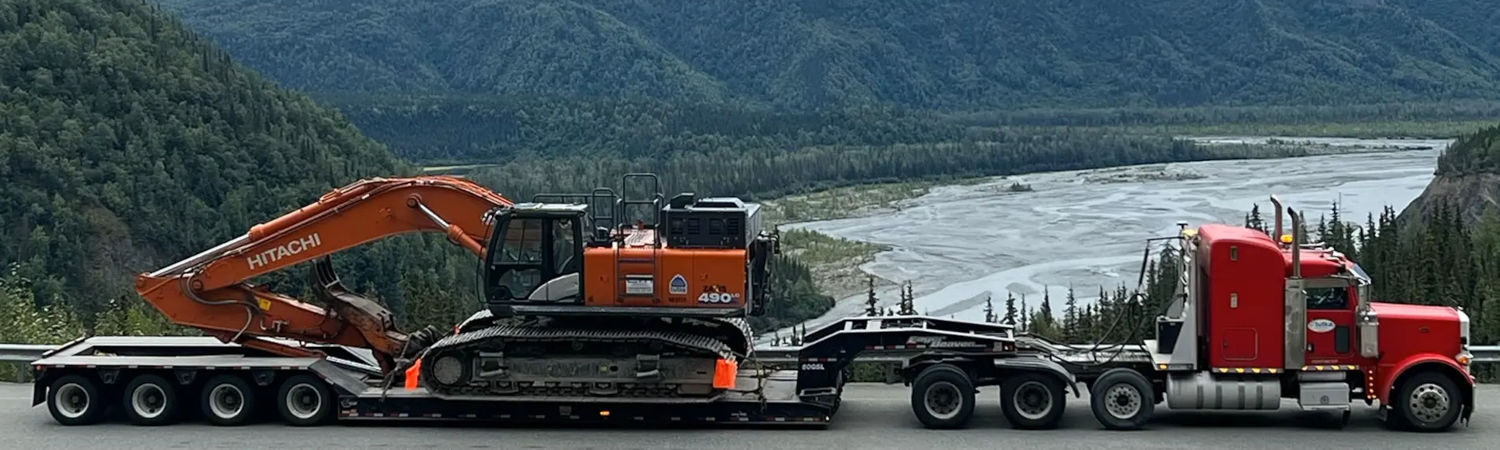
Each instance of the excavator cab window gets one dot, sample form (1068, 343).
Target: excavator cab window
(538, 257)
(520, 258)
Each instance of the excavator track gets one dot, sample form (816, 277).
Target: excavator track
(562, 360)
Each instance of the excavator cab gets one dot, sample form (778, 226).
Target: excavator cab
(536, 254)
(602, 254)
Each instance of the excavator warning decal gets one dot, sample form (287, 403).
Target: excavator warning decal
(264, 304)
(678, 285)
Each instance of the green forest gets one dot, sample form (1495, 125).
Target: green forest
(1477, 152)
(480, 81)
(928, 54)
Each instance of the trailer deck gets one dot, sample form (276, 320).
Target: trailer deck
(804, 391)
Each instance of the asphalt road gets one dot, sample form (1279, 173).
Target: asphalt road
(873, 416)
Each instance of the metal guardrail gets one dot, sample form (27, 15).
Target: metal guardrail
(1486, 353)
(773, 355)
(788, 355)
(23, 352)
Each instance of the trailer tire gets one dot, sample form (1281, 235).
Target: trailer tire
(1428, 401)
(942, 397)
(75, 400)
(1122, 399)
(1032, 400)
(228, 400)
(151, 400)
(303, 400)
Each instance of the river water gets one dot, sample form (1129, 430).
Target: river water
(1086, 229)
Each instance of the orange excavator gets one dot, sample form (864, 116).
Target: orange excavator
(596, 294)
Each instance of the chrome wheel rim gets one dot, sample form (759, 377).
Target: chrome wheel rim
(304, 401)
(1429, 402)
(72, 400)
(1032, 400)
(1122, 401)
(942, 400)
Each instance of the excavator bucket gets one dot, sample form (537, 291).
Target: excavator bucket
(372, 319)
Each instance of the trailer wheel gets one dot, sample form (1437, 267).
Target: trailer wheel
(74, 400)
(228, 400)
(1428, 401)
(1032, 401)
(1122, 399)
(151, 400)
(304, 400)
(942, 396)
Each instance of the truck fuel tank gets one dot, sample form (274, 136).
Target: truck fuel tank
(1203, 390)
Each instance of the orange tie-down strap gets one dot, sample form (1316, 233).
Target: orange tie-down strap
(724, 373)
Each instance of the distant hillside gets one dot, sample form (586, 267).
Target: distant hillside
(1468, 180)
(126, 142)
(928, 54)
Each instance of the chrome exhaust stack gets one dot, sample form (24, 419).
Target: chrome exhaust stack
(1276, 203)
(1295, 297)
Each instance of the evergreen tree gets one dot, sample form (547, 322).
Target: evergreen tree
(1044, 323)
(989, 310)
(1070, 317)
(1010, 309)
(1255, 221)
(908, 305)
(872, 304)
(1025, 315)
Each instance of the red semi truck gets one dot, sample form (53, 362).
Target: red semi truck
(1255, 320)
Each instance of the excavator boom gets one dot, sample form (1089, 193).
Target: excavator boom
(202, 291)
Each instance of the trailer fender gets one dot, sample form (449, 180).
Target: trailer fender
(1015, 365)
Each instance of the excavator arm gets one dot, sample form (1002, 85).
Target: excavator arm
(211, 290)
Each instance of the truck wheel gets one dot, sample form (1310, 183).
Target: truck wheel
(1122, 399)
(74, 400)
(150, 400)
(304, 400)
(1032, 401)
(1428, 401)
(228, 400)
(942, 396)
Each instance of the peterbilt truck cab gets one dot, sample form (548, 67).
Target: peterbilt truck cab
(1256, 319)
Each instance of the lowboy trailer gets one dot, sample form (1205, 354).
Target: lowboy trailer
(156, 380)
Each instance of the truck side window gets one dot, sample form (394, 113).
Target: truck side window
(1328, 298)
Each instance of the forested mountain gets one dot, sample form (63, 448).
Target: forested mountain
(127, 142)
(1467, 181)
(928, 54)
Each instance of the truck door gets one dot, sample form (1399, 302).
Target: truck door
(1330, 322)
